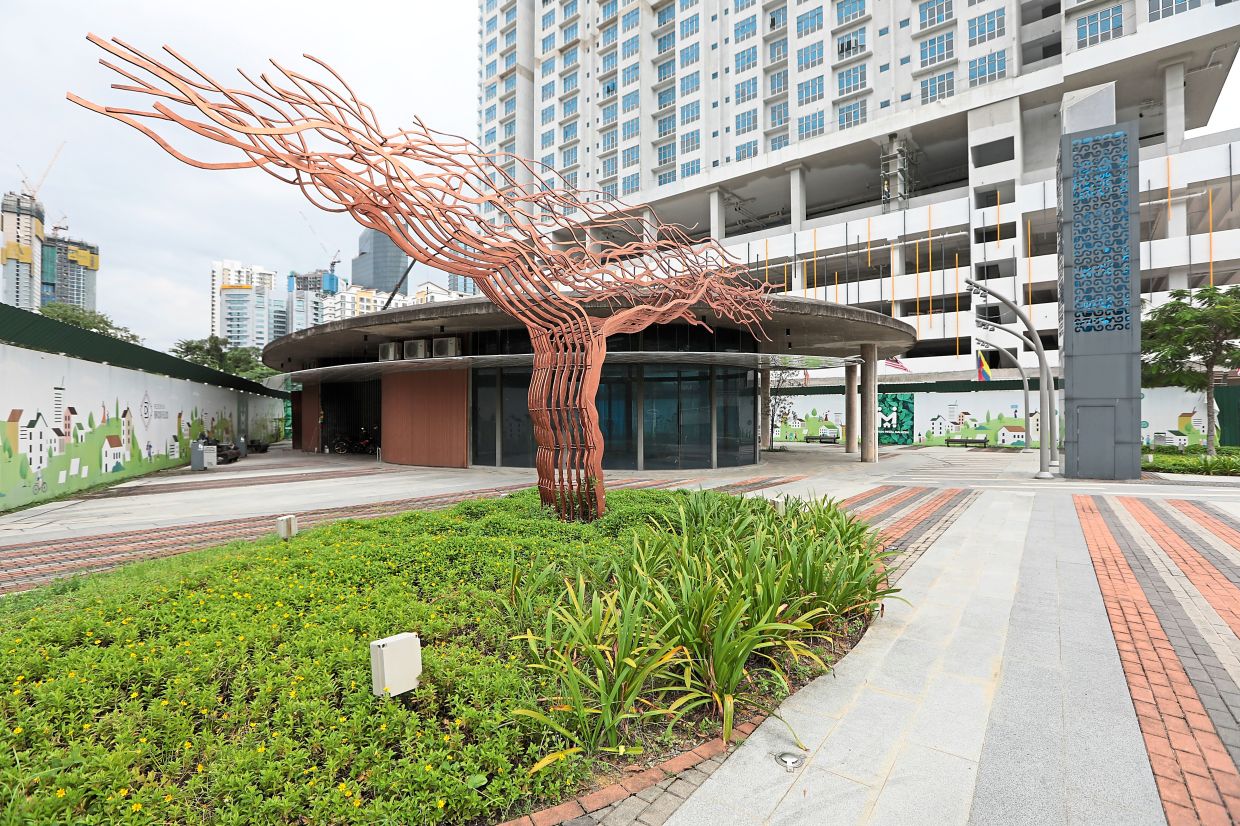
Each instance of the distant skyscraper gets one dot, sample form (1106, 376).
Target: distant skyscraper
(247, 315)
(21, 251)
(69, 272)
(379, 264)
(461, 284)
(303, 308)
(234, 274)
(319, 281)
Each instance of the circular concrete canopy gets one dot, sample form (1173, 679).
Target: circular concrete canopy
(797, 327)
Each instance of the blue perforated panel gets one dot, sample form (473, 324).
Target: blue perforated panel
(1101, 241)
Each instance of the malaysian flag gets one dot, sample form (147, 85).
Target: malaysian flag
(895, 364)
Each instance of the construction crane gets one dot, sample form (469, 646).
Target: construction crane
(335, 258)
(33, 189)
(61, 225)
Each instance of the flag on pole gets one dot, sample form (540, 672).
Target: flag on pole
(895, 364)
(983, 369)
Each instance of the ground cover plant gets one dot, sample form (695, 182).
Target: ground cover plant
(233, 685)
(1199, 463)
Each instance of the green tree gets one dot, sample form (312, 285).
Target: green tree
(215, 352)
(88, 320)
(1185, 340)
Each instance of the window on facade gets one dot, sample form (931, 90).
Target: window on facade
(810, 125)
(609, 167)
(932, 12)
(810, 90)
(809, 22)
(746, 150)
(779, 82)
(631, 46)
(609, 139)
(779, 114)
(548, 139)
(570, 57)
(666, 153)
(631, 101)
(570, 106)
(746, 59)
(630, 183)
(609, 191)
(745, 29)
(937, 49)
(690, 112)
(570, 81)
(689, 55)
(689, 27)
(747, 90)
(851, 114)
(846, 10)
(568, 157)
(609, 114)
(665, 15)
(987, 69)
(610, 34)
(778, 49)
(666, 125)
(667, 177)
(809, 56)
(548, 66)
(666, 98)
(779, 142)
(779, 18)
(690, 168)
(629, 74)
(630, 156)
(986, 27)
(630, 129)
(1160, 9)
(851, 79)
(631, 20)
(608, 9)
(1100, 26)
(548, 114)
(938, 87)
(850, 43)
(665, 43)
(690, 83)
(690, 142)
(665, 70)
(741, 5)
(570, 132)
(746, 121)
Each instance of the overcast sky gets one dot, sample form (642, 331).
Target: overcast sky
(159, 223)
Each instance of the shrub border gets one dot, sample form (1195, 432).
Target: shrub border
(601, 798)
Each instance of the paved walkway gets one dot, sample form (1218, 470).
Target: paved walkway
(1068, 653)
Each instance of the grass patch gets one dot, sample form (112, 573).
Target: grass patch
(1223, 465)
(233, 686)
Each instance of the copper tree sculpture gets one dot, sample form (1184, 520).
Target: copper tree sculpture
(572, 269)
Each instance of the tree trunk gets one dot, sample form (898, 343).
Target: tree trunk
(567, 368)
(1211, 450)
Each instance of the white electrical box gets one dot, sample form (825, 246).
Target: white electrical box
(286, 527)
(395, 664)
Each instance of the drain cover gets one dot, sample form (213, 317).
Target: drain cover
(789, 760)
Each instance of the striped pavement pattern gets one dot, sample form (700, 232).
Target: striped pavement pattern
(1169, 572)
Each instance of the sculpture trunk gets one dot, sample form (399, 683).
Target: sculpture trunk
(567, 367)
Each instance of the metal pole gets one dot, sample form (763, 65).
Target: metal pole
(1045, 394)
(1024, 380)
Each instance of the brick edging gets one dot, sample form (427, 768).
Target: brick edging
(601, 798)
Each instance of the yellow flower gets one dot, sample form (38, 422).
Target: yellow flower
(167, 798)
(137, 807)
(428, 767)
(200, 768)
(133, 694)
(60, 792)
(18, 730)
(357, 801)
(441, 802)
(262, 749)
(123, 792)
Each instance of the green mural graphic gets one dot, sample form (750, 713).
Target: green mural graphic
(895, 419)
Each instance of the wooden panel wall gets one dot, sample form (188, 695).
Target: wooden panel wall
(426, 418)
(310, 409)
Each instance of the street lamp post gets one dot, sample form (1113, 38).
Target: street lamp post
(1024, 380)
(1046, 385)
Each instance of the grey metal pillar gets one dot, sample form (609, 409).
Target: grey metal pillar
(851, 425)
(869, 403)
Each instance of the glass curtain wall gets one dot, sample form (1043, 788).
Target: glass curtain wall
(652, 417)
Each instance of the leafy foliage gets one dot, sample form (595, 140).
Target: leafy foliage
(1205, 465)
(1186, 339)
(216, 352)
(88, 320)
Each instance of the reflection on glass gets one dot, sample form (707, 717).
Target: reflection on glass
(482, 417)
(735, 395)
(661, 413)
(695, 417)
(517, 431)
(617, 414)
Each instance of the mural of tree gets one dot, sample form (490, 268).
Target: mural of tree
(573, 269)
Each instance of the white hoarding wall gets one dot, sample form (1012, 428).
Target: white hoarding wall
(71, 424)
(1169, 415)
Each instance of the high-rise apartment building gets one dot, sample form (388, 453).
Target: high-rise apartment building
(319, 281)
(235, 274)
(21, 255)
(356, 300)
(69, 272)
(874, 152)
(379, 264)
(303, 308)
(247, 315)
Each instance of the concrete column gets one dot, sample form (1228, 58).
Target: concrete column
(851, 425)
(764, 397)
(897, 269)
(648, 224)
(869, 403)
(718, 224)
(1173, 105)
(796, 180)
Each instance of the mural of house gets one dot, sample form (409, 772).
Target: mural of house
(1035, 427)
(1178, 438)
(1011, 434)
(38, 441)
(12, 426)
(113, 454)
(938, 426)
(1190, 421)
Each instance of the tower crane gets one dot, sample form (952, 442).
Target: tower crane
(33, 189)
(335, 258)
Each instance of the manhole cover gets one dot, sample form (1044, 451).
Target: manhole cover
(789, 760)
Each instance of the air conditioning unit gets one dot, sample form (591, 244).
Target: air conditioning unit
(389, 351)
(417, 348)
(447, 347)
